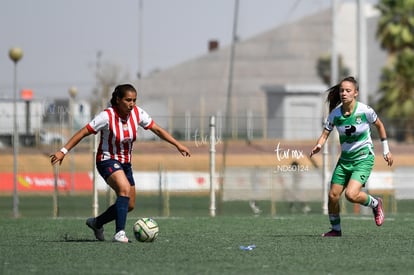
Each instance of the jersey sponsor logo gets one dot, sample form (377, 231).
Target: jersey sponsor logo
(349, 130)
(126, 140)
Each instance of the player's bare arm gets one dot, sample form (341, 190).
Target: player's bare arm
(383, 135)
(321, 141)
(160, 132)
(58, 156)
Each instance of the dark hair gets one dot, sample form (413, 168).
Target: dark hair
(120, 92)
(333, 92)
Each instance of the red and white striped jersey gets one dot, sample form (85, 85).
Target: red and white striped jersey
(117, 134)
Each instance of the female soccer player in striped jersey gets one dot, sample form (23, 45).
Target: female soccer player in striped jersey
(118, 126)
(352, 120)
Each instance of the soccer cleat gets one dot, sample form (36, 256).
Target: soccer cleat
(332, 233)
(379, 213)
(99, 232)
(120, 237)
(256, 210)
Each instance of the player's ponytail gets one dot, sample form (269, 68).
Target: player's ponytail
(333, 97)
(119, 92)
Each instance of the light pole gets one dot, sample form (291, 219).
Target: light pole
(15, 55)
(73, 91)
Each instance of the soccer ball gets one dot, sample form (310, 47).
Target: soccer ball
(146, 230)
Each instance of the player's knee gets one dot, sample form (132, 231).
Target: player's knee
(123, 190)
(334, 197)
(351, 196)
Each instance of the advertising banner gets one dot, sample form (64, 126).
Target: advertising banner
(39, 182)
(66, 181)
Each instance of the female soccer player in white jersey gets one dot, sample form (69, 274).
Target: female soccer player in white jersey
(352, 120)
(118, 126)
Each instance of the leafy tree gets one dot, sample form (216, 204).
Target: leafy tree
(107, 78)
(396, 25)
(397, 89)
(396, 35)
(323, 67)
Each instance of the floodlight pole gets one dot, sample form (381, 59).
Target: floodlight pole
(95, 200)
(212, 166)
(61, 112)
(15, 55)
(333, 80)
(73, 91)
(140, 39)
(362, 51)
(229, 99)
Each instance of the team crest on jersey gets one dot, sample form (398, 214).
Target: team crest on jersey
(358, 120)
(126, 140)
(116, 166)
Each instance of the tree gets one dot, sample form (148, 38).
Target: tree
(396, 25)
(396, 35)
(107, 78)
(397, 89)
(323, 67)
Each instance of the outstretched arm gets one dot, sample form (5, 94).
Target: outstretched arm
(321, 141)
(75, 139)
(163, 134)
(383, 135)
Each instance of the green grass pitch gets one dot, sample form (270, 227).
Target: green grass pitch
(285, 244)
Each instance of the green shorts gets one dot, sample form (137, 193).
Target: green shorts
(358, 170)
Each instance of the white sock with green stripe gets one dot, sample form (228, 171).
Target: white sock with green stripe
(371, 202)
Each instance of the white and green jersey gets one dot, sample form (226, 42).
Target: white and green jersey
(354, 130)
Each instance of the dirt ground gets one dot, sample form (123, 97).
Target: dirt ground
(152, 156)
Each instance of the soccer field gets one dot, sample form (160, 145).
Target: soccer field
(285, 244)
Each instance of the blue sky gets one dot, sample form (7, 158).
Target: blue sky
(61, 39)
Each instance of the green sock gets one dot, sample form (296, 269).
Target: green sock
(371, 202)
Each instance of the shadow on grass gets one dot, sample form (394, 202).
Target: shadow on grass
(78, 241)
(294, 235)
(67, 238)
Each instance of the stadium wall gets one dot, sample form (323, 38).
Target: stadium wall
(281, 183)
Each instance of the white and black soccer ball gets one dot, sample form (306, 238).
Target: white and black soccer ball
(146, 230)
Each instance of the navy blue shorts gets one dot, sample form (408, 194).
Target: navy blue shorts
(107, 167)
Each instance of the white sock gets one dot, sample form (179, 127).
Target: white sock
(373, 202)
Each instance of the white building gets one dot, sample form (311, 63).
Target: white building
(281, 57)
